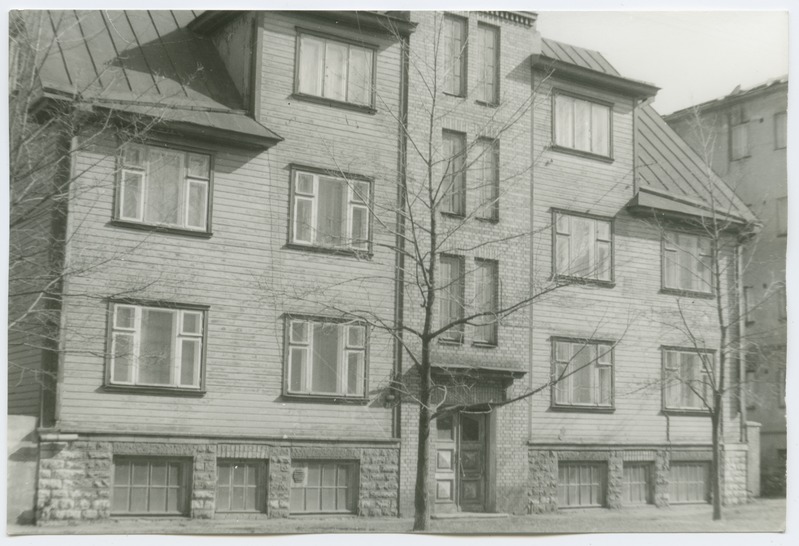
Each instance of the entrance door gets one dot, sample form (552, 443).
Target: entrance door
(461, 463)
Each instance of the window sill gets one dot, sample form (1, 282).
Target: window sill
(152, 390)
(686, 412)
(454, 215)
(335, 103)
(747, 156)
(687, 293)
(454, 95)
(154, 228)
(583, 409)
(581, 153)
(450, 341)
(487, 104)
(484, 345)
(493, 220)
(324, 399)
(346, 252)
(569, 280)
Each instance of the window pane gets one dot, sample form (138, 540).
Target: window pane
(299, 332)
(360, 191)
(564, 121)
(199, 166)
(359, 82)
(134, 156)
(305, 183)
(670, 268)
(486, 72)
(192, 322)
(141, 473)
(562, 252)
(600, 129)
(603, 261)
(335, 71)
(582, 245)
(157, 337)
(131, 195)
(332, 207)
(451, 295)
(486, 178)
(324, 376)
(190, 363)
(355, 372)
(582, 378)
(197, 205)
(360, 228)
(582, 125)
(453, 184)
(122, 371)
(303, 221)
(310, 69)
(356, 336)
(297, 366)
(124, 317)
(454, 35)
(138, 499)
(164, 181)
(604, 385)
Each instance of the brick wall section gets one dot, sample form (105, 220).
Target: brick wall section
(409, 425)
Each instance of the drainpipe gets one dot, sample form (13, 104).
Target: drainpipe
(741, 343)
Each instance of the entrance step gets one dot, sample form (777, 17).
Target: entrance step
(469, 515)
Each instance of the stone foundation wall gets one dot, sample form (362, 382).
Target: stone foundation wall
(734, 470)
(75, 477)
(543, 481)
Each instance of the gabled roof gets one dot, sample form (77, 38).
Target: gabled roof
(137, 61)
(736, 96)
(665, 164)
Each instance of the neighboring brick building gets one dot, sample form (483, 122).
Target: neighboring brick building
(233, 194)
(743, 136)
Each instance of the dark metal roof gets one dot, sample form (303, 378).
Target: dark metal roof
(665, 163)
(737, 95)
(146, 58)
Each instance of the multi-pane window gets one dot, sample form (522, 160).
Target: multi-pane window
(780, 130)
(323, 487)
(686, 380)
(150, 486)
(239, 486)
(335, 70)
(687, 262)
(583, 247)
(637, 488)
(689, 482)
(451, 296)
(164, 187)
(486, 171)
(330, 212)
(487, 85)
(156, 346)
(583, 373)
(453, 45)
(326, 358)
(782, 216)
(486, 300)
(582, 125)
(581, 484)
(453, 184)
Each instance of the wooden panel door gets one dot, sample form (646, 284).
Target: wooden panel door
(460, 465)
(446, 464)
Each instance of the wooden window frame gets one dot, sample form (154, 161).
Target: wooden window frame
(455, 335)
(497, 60)
(649, 474)
(595, 407)
(556, 275)
(260, 485)
(344, 350)
(458, 159)
(351, 488)
(494, 265)
(491, 147)
(577, 151)
(181, 309)
(706, 466)
(138, 222)
(463, 58)
(679, 291)
(602, 466)
(184, 488)
(685, 410)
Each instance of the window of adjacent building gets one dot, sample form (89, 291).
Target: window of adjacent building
(323, 487)
(583, 247)
(326, 358)
(487, 174)
(689, 482)
(581, 484)
(687, 262)
(583, 373)
(780, 130)
(451, 296)
(335, 70)
(156, 346)
(782, 216)
(637, 486)
(747, 295)
(453, 45)
(782, 304)
(164, 187)
(686, 382)
(739, 133)
(453, 185)
(486, 277)
(330, 212)
(487, 86)
(240, 486)
(149, 486)
(582, 125)
(781, 385)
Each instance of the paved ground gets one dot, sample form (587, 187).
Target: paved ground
(765, 515)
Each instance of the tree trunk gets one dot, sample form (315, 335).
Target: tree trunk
(715, 470)
(421, 520)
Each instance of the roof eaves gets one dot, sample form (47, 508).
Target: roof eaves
(733, 98)
(610, 82)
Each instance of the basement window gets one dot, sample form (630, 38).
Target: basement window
(324, 487)
(151, 486)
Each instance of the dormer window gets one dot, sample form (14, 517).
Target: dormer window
(582, 125)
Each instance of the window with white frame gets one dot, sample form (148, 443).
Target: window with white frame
(326, 358)
(335, 70)
(583, 373)
(487, 85)
(453, 185)
(453, 45)
(582, 125)
(780, 130)
(451, 296)
(487, 178)
(583, 247)
(687, 262)
(164, 187)
(329, 211)
(486, 281)
(156, 346)
(686, 383)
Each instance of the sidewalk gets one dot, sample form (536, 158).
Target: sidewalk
(764, 515)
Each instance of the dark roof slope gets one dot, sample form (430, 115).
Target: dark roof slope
(666, 165)
(737, 95)
(129, 60)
